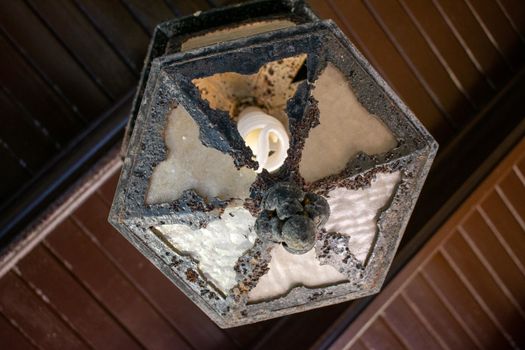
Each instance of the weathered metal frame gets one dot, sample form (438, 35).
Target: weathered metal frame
(167, 82)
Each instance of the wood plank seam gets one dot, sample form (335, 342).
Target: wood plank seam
(413, 307)
(396, 335)
(388, 299)
(510, 206)
(133, 69)
(102, 198)
(70, 271)
(438, 55)
(489, 34)
(140, 290)
(458, 36)
(484, 306)
(490, 269)
(31, 119)
(500, 239)
(450, 308)
(511, 21)
(94, 78)
(519, 174)
(45, 300)
(354, 36)
(17, 328)
(10, 152)
(79, 118)
(411, 66)
(136, 18)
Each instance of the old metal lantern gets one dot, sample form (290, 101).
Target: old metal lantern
(268, 168)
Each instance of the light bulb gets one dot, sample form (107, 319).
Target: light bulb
(266, 136)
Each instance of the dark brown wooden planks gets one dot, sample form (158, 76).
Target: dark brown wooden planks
(489, 249)
(35, 147)
(71, 300)
(49, 57)
(149, 14)
(505, 223)
(24, 84)
(512, 191)
(249, 336)
(80, 37)
(422, 61)
(515, 13)
(499, 31)
(116, 25)
(474, 40)
(476, 318)
(11, 337)
(22, 305)
(380, 336)
(448, 51)
(486, 288)
(408, 327)
(108, 188)
(439, 317)
(116, 292)
(13, 179)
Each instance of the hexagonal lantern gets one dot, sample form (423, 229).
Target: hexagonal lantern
(270, 169)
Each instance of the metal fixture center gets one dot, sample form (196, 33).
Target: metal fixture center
(291, 217)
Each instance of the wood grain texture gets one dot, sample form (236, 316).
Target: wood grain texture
(408, 326)
(107, 283)
(118, 28)
(448, 51)
(30, 311)
(474, 40)
(40, 100)
(48, 55)
(71, 300)
(11, 337)
(421, 60)
(81, 38)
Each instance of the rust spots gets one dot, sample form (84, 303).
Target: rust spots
(192, 276)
